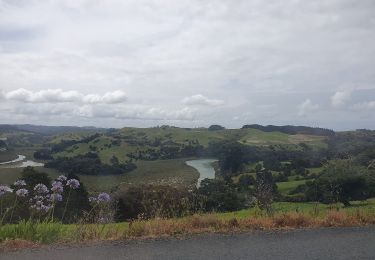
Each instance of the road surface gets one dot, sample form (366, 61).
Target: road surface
(325, 244)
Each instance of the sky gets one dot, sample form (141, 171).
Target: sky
(188, 63)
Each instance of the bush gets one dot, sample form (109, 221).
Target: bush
(43, 154)
(220, 196)
(341, 181)
(88, 164)
(147, 201)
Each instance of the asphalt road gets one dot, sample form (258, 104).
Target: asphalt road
(324, 244)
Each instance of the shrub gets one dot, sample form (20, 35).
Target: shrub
(147, 201)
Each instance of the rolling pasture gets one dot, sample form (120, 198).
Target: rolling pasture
(122, 142)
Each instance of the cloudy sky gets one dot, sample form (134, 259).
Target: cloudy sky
(114, 63)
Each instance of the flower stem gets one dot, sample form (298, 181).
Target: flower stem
(14, 206)
(66, 205)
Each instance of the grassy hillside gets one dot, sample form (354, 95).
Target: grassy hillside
(129, 140)
(6, 156)
(122, 142)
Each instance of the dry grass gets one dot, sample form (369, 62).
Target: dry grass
(196, 224)
(213, 223)
(16, 244)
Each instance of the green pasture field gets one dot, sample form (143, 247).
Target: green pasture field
(165, 172)
(286, 187)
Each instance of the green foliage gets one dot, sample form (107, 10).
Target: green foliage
(265, 189)
(341, 181)
(33, 177)
(88, 164)
(220, 196)
(43, 154)
(147, 201)
(245, 181)
(216, 128)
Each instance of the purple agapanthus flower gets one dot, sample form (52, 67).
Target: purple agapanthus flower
(22, 193)
(41, 203)
(19, 183)
(104, 197)
(73, 184)
(55, 197)
(41, 188)
(61, 178)
(40, 206)
(4, 189)
(57, 187)
(38, 197)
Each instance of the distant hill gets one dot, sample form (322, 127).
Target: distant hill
(163, 142)
(49, 130)
(31, 135)
(290, 129)
(3, 145)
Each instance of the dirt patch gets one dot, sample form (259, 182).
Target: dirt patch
(17, 244)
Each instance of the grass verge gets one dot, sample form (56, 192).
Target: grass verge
(28, 234)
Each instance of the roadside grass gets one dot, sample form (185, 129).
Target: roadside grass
(284, 216)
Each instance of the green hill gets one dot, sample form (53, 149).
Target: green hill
(125, 141)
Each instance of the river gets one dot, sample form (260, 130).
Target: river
(204, 167)
(20, 162)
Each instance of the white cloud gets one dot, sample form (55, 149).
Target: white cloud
(364, 106)
(340, 98)
(60, 96)
(245, 52)
(135, 112)
(201, 100)
(307, 107)
(115, 97)
(44, 110)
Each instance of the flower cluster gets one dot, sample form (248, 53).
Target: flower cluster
(22, 193)
(39, 203)
(4, 189)
(55, 197)
(19, 183)
(101, 208)
(102, 197)
(41, 199)
(61, 178)
(73, 184)
(57, 187)
(41, 188)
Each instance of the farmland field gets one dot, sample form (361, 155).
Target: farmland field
(165, 172)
